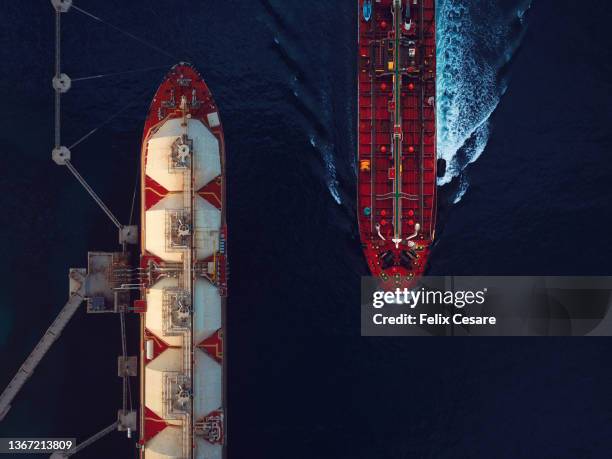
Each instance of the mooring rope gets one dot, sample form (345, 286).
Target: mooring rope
(134, 194)
(126, 33)
(104, 123)
(105, 75)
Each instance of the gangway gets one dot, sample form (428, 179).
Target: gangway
(104, 432)
(77, 295)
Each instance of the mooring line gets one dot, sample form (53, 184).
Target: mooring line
(104, 123)
(105, 75)
(125, 32)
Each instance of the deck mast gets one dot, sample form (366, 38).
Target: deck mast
(397, 123)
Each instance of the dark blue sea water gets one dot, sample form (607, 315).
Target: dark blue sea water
(524, 109)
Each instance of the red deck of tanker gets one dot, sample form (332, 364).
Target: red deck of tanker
(397, 136)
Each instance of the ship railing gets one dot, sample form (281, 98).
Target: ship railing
(187, 348)
(187, 373)
(187, 437)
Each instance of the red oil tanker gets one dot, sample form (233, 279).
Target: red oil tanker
(182, 304)
(397, 136)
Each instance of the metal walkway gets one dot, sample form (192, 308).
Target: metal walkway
(52, 334)
(86, 443)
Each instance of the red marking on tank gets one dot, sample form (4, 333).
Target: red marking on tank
(154, 192)
(153, 424)
(212, 192)
(159, 345)
(213, 345)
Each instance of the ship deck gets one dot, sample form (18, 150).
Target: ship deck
(184, 261)
(397, 137)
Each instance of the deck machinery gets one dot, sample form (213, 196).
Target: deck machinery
(184, 266)
(182, 278)
(397, 136)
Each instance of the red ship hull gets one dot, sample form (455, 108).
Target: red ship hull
(397, 136)
(184, 269)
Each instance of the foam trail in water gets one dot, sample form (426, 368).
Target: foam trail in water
(463, 186)
(318, 115)
(327, 149)
(327, 152)
(475, 39)
(314, 103)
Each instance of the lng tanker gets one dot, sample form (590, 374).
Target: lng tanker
(397, 136)
(183, 242)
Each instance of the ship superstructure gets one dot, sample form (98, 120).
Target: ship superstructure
(397, 136)
(184, 255)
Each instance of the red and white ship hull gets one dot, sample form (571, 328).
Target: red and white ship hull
(184, 257)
